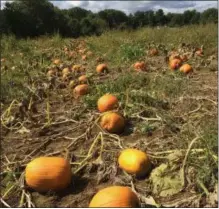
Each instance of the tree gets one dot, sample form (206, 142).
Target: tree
(160, 18)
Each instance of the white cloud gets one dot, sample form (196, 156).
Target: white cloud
(133, 6)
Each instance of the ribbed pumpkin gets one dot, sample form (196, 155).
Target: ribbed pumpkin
(112, 122)
(135, 162)
(140, 66)
(101, 68)
(115, 197)
(107, 102)
(153, 52)
(82, 79)
(175, 64)
(186, 68)
(81, 89)
(48, 173)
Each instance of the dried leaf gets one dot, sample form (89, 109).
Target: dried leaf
(164, 183)
(23, 130)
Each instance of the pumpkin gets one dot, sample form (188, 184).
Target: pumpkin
(174, 56)
(153, 52)
(115, 197)
(48, 173)
(71, 84)
(175, 63)
(84, 57)
(51, 72)
(101, 68)
(65, 71)
(65, 77)
(107, 102)
(112, 122)
(57, 61)
(199, 52)
(186, 68)
(134, 161)
(82, 79)
(81, 89)
(140, 66)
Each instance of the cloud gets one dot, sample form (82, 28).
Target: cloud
(133, 6)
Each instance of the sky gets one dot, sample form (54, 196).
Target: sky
(133, 6)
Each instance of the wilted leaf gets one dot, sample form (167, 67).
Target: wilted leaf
(23, 130)
(164, 183)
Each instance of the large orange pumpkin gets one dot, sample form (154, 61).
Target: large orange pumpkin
(101, 68)
(134, 161)
(140, 66)
(112, 122)
(48, 173)
(81, 89)
(186, 68)
(175, 64)
(107, 102)
(115, 197)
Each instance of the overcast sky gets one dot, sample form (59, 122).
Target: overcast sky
(132, 6)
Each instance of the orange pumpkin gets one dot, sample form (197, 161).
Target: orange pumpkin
(199, 52)
(175, 64)
(174, 56)
(65, 71)
(134, 161)
(112, 122)
(84, 57)
(153, 52)
(48, 173)
(81, 89)
(82, 79)
(140, 66)
(186, 68)
(76, 67)
(52, 72)
(71, 84)
(3, 60)
(115, 197)
(101, 68)
(57, 61)
(107, 102)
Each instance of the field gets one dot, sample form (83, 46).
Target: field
(169, 115)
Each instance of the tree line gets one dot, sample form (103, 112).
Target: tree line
(34, 18)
